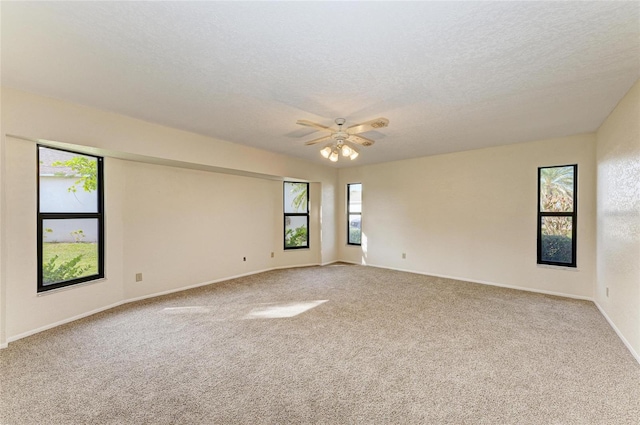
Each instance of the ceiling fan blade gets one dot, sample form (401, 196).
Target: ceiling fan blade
(314, 125)
(319, 140)
(368, 126)
(360, 140)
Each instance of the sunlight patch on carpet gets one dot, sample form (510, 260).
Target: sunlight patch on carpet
(278, 310)
(186, 310)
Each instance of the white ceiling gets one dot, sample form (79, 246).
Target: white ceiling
(450, 76)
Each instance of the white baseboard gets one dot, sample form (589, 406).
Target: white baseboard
(484, 282)
(224, 279)
(352, 262)
(196, 285)
(63, 321)
(559, 294)
(140, 298)
(617, 331)
(171, 291)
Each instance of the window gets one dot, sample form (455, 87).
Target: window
(70, 218)
(354, 213)
(296, 215)
(557, 214)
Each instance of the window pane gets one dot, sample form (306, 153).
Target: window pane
(68, 181)
(69, 249)
(556, 189)
(295, 197)
(355, 198)
(556, 239)
(355, 230)
(295, 232)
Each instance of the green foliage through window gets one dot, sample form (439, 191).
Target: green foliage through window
(557, 249)
(557, 215)
(295, 237)
(86, 169)
(354, 213)
(54, 273)
(67, 255)
(355, 236)
(296, 215)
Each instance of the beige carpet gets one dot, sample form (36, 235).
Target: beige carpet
(361, 346)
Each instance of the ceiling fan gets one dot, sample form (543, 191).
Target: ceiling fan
(341, 138)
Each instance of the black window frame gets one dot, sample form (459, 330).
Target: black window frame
(573, 215)
(286, 215)
(350, 213)
(99, 216)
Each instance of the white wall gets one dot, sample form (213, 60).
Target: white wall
(3, 335)
(472, 215)
(145, 203)
(618, 253)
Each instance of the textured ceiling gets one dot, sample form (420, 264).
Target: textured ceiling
(450, 76)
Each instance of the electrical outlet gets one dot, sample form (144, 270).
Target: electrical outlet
(272, 254)
(404, 255)
(138, 277)
(607, 292)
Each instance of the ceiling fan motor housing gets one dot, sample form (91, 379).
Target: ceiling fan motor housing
(340, 136)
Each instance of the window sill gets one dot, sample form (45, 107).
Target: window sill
(565, 268)
(67, 288)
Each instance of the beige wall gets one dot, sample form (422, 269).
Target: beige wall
(472, 215)
(194, 226)
(26, 311)
(36, 117)
(618, 241)
(211, 219)
(3, 250)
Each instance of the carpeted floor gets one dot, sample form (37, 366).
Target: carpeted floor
(329, 345)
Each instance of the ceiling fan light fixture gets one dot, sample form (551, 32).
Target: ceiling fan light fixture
(326, 151)
(346, 150)
(354, 154)
(334, 155)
